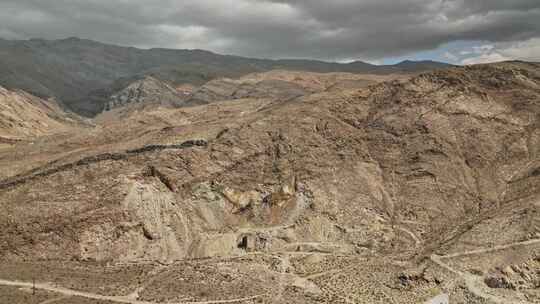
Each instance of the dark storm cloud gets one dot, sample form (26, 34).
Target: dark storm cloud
(337, 29)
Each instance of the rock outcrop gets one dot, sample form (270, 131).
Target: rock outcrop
(148, 91)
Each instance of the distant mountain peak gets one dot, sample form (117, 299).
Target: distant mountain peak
(409, 62)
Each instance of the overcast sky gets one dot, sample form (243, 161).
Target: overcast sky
(378, 31)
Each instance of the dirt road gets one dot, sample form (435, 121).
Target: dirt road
(116, 299)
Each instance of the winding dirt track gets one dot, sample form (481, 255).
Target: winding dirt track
(473, 283)
(492, 249)
(116, 299)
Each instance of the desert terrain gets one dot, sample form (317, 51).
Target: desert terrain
(277, 187)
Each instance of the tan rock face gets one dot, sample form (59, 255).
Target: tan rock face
(152, 233)
(242, 200)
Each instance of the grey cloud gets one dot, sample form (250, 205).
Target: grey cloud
(365, 29)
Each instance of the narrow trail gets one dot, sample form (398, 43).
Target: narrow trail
(154, 275)
(285, 262)
(413, 236)
(495, 248)
(417, 241)
(510, 178)
(116, 299)
(53, 300)
(464, 227)
(474, 283)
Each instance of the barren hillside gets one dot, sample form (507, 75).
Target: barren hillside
(24, 116)
(281, 84)
(391, 193)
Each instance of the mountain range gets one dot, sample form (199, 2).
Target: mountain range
(83, 74)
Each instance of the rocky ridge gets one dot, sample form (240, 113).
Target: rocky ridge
(281, 84)
(148, 91)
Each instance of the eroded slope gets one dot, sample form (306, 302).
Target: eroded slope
(24, 116)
